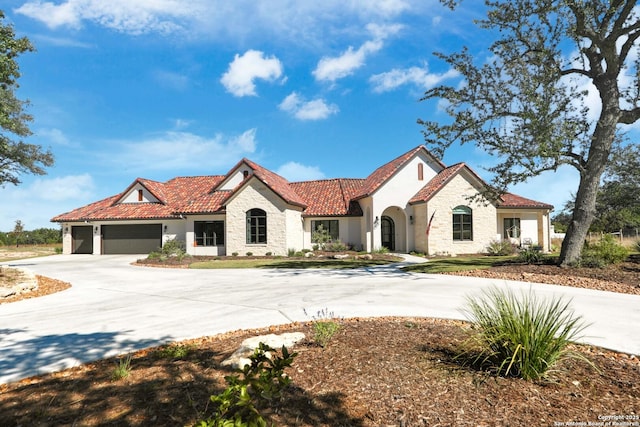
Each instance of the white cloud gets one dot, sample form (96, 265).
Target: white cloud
(171, 80)
(54, 135)
(294, 172)
(176, 151)
(416, 76)
(333, 68)
(244, 70)
(301, 109)
(38, 200)
(219, 18)
(61, 42)
(139, 17)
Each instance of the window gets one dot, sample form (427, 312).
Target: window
(209, 233)
(420, 172)
(462, 223)
(330, 226)
(140, 195)
(256, 226)
(512, 228)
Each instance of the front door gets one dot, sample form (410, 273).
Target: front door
(388, 230)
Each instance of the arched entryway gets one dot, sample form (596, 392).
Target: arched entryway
(388, 233)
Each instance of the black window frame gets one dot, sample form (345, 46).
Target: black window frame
(462, 218)
(205, 233)
(331, 225)
(256, 226)
(514, 224)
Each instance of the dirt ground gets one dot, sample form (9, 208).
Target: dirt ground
(374, 372)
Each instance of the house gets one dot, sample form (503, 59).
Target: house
(412, 203)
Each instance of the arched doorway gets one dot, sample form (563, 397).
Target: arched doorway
(388, 231)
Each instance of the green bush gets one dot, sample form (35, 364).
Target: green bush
(249, 253)
(523, 337)
(336, 246)
(501, 248)
(324, 327)
(606, 252)
(122, 369)
(262, 381)
(531, 255)
(321, 237)
(174, 351)
(291, 252)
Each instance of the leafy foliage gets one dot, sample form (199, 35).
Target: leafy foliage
(501, 248)
(262, 381)
(16, 156)
(606, 252)
(531, 255)
(324, 327)
(171, 248)
(527, 105)
(523, 337)
(122, 369)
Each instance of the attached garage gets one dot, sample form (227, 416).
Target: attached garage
(131, 239)
(82, 239)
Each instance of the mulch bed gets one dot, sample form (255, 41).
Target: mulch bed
(375, 372)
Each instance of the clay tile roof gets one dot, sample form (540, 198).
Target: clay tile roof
(436, 183)
(275, 182)
(386, 171)
(173, 193)
(208, 203)
(330, 197)
(510, 200)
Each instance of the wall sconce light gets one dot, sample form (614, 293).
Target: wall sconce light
(165, 228)
(97, 228)
(66, 229)
(376, 222)
(410, 219)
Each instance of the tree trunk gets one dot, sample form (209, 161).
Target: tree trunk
(585, 206)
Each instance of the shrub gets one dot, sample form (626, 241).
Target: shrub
(324, 327)
(321, 237)
(122, 369)
(523, 337)
(268, 254)
(249, 253)
(336, 246)
(291, 252)
(234, 253)
(262, 381)
(606, 252)
(382, 250)
(531, 255)
(501, 248)
(174, 351)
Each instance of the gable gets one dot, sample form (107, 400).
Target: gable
(138, 193)
(234, 178)
(403, 170)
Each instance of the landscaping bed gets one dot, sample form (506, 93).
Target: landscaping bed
(373, 372)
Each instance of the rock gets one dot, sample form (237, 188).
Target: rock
(241, 356)
(341, 256)
(308, 254)
(366, 256)
(21, 281)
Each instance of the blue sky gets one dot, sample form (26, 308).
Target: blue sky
(163, 88)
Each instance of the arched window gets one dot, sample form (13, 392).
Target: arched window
(420, 172)
(256, 226)
(462, 223)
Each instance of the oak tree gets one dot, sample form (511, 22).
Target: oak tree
(16, 156)
(527, 102)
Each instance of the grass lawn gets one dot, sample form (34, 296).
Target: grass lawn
(8, 253)
(290, 263)
(462, 263)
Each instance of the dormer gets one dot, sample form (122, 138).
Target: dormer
(236, 176)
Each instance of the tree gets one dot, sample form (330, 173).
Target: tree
(618, 201)
(16, 156)
(18, 230)
(527, 104)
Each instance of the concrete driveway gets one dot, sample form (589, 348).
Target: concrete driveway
(115, 308)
